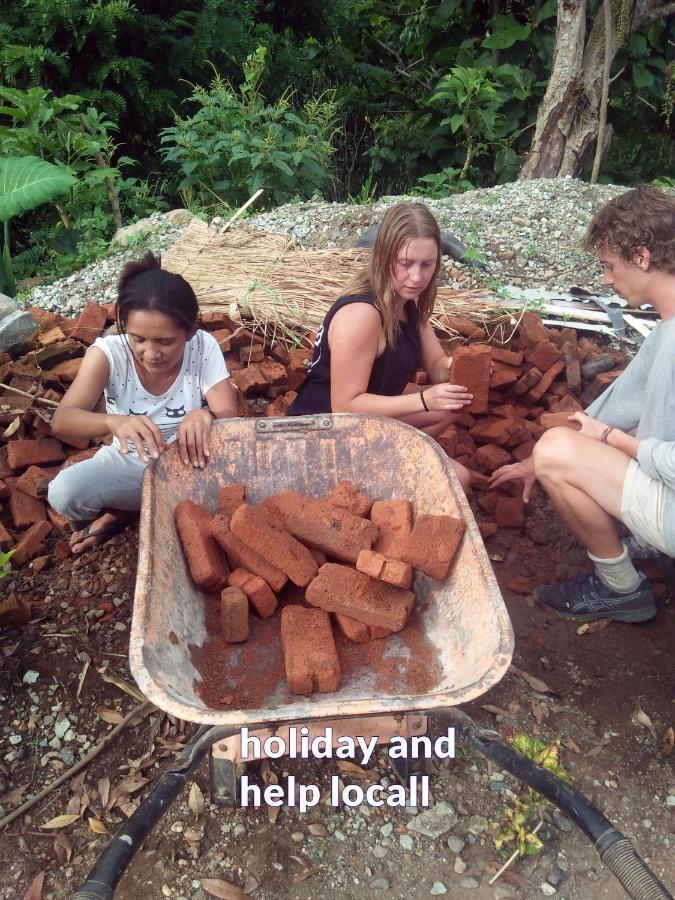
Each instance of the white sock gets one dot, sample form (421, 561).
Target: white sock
(617, 573)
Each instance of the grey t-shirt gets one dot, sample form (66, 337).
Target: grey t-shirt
(642, 400)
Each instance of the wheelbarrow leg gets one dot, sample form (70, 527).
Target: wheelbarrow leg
(223, 781)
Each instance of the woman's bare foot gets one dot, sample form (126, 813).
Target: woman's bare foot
(97, 532)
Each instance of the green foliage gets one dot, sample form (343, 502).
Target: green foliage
(5, 566)
(442, 184)
(238, 142)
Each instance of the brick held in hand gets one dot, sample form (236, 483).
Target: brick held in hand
(471, 367)
(24, 453)
(234, 615)
(325, 527)
(264, 532)
(393, 571)
(340, 589)
(394, 518)
(433, 543)
(241, 556)
(310, 655)
(349, 497)
(258, 591)
(359, 632)
(230, 497)
(206, 560)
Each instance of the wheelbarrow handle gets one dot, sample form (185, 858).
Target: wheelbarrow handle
(614, 849)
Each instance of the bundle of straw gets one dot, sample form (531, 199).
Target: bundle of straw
(282, 290)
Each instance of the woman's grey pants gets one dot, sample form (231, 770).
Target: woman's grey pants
(109, 480)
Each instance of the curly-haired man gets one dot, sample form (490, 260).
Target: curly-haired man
(621, 464)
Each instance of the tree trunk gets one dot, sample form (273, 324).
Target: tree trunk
(569, 114)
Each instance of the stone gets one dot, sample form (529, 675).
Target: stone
(7, 306)
(547, 889)
(469, 884)
(380, 884)
(456, 843)
(406, 842)
(14, 329)
(460, 866)
(435, 821)
(379, 852)
(438, 888)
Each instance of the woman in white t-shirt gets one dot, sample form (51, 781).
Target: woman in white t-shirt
(163, 380)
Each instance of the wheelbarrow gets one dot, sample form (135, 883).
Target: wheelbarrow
(467, 636)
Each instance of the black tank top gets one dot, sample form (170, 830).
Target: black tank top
(391, 371)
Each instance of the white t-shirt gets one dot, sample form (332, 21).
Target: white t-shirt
(203, 367)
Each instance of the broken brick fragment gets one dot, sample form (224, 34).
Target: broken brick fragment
(24, 509)
(90, 323)
(359, 632)
(543, 355)
(242, 556)
(349, 497)
(394, 519)
(510, 357)
(310, 656)
(528, 381)
(463, 326)
(490, 457)
(35, 480)
(234, 615)
(393, 571)
(471, 367)
(258, 591)
(31, 542)
(341, 589)
(433, 543)
(205, 559)
(545, 382)
(531, 329)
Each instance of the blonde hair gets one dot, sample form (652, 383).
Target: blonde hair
(402, 223)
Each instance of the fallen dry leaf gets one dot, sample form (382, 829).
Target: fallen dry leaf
(61, 821)
(540, 711)
(593, 627)
(73, 807)
(668, 742)
(270, 777)
(63, 848)
(191, 835)
(299, 859)
(352, 769)
(111, 716)
(535, 683)
(97, 826)
(123, 685)
(495, 710)
(302, 876)
(34, 891)
(196, 800)
(223, 889)
(571, 744)
(12, 429)
(643, 719)
(103, 788)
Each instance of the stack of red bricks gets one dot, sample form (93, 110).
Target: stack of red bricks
(352, 557)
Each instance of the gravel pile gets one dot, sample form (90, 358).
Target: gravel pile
(526, 233)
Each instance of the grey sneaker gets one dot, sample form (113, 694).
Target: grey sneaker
(585, 598)
(638, 550)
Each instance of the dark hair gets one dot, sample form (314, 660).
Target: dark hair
(144, 285)
(641, 217)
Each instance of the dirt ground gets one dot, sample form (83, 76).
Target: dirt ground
(57, 705)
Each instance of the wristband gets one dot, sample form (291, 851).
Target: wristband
(606, 433)
(424, 402)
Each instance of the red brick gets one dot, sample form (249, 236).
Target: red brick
(349, 497)
(58, 521)
(223, 335)
(5, 468)
(487, 529)
(294, 380)
(24, 509)
(265, 533)
(90, 323)
(322, 525)
(40, 563)
(588, 349)
(216, 319)
(465, 445)
(35, 480)
(229, 498)
(53, 336)
(501, 379)
(110, 312)
(531, 328)
(543, 355)
(491, 431)
(251, 353)
(206, 560)
(234, 615)
(572, 366)
(464, 326)
(394, 518)
(4, 490)
(359, 632)
(393, 571)
(258, 591)
(66, 371)
(299, 360)
(341, 589)
(471, 367)
(319, 556)
(310, 656)
(547, 379)
(510, 357)
(241, 555)
(21, 454)
(250, 381)
(556, 420)
(31, 542)
(523, 451)
(491, 457)
(43, 318)
(281, 405)
(6, 539)
(448, 439)
(510, 512)
(433, 543)
(478, 481)
(487, 502)
(80, 456)
(273, 372)
(465, 419)
(529, 379)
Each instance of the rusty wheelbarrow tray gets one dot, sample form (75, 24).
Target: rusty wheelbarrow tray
(463, 619)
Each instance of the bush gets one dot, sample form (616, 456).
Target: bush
(237, 142)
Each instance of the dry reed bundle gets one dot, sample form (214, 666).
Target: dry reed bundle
(284, 291)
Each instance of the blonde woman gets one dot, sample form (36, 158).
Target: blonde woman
(377, 335)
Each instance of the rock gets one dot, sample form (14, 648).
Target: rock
(7, 306)
(477, 824)
(562, 822)
(469, 884)
(547, 889)
(380, 884)
(557, 877)
(14, 329)
(438, 888)
(502, 893)
(435, 821)
(379, 852)
(406, 842)
(387, 829)
(239, 830)
(460, 866)
(298, 837)
(456, 843)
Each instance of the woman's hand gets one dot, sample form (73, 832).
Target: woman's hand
(590, 427)
(446, 397)
(141, 431)
(521, 470)
(193, 437)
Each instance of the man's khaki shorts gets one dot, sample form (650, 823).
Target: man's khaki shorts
(645, 505)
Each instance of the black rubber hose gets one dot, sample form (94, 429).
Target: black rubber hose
(111, 864)
(615, 850)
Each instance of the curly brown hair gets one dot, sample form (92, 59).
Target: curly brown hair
(642, 217)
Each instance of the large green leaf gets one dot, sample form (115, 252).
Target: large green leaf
(27, 182)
